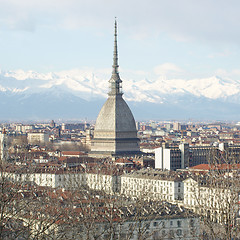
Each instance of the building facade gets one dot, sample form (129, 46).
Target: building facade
(184, 156)
(152, 185)
(38, 137)
(216, 199)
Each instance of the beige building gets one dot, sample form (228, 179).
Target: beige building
(38, 137)
(23, 128)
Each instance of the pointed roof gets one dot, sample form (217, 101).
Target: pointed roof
(115, 81)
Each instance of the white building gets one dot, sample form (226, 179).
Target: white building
(109, 183)
(173, 158)
(153, 185)
(54, 179)
(212, 198)
(39, 137)
(169, 158)
(68, 179)
(23, 128)
(3, 146)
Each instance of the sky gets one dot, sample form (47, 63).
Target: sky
(156, 38)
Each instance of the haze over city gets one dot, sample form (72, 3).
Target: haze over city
(175, 57)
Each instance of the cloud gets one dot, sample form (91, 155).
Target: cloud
(230, 74)
(186, 20)
(167, 69)
(224, 53)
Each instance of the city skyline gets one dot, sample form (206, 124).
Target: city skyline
(70, 174)
(157, 39)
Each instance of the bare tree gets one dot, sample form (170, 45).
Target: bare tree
(215, 196)
(86, 207)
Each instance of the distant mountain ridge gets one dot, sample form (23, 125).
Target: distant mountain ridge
(79, 94)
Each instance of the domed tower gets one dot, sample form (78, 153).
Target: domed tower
(115, 132)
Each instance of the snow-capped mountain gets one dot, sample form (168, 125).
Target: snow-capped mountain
(79, 94)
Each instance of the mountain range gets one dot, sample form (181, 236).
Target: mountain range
(79, 94)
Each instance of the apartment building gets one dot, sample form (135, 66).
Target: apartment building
(153, 185)
(55, 178)
(215, 198)
(38, 137)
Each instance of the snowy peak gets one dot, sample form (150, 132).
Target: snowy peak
(86, 85)
(80, 93)
(212, 88)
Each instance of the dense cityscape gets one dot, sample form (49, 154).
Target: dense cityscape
(187, 171)
(117, 177)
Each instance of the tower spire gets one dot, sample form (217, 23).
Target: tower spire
(115, 51)
(115, 81)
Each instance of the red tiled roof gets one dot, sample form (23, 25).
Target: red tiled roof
(121, 160)
(201, 167)
(62, 158)
(216, 167)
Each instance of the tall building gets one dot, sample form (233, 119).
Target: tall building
(183, 156)
(3, 147)
(169, 158)
(115, 131)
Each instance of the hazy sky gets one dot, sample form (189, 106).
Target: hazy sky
(172, 38)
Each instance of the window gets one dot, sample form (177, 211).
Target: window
(191, 223)
(155, 224)
(163, 224)
(179, 223)
(179, 232)
(171, 234)
(155, 235)
(171, 223)
(105, 226)
(123, 235)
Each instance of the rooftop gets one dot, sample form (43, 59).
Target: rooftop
(157, 174)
